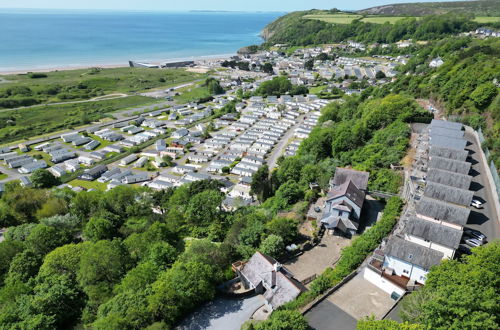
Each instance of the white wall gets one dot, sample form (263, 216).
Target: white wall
(381, 282)
(403, 268)
(448, 252)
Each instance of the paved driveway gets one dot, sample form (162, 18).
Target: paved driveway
(484, 220)
(360, 298)
(222, 313)
(327, 316)
(316, 260)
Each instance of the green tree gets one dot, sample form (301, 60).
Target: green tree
(23, 267)
(203, 207)
(284, 320)
(372, 324)
(268, 68)
(102, 265)
(98, 228)
(127, 310)
(309, 64)
(8, 250)
(459, 294)
(261, 184)
(180, 289)
(139, 278)
(41, 178)
(484, 94)
(274, 246)
(43, 239)
(285, 228)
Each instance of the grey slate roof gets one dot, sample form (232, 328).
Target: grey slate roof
(343, 175)
(448, 212)
(448, 178)
(448, 194)
(349, 190)
(449, 165)
(446, 124)
(260, 269)
(447, 142)
(449, 153)
(453, 133)
(413, 253)
(434, 232)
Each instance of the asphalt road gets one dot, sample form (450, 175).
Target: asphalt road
(278, 149)
(328, 316)
(484, 220)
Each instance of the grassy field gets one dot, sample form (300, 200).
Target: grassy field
(28, 122)
(88, 184)
(69, 85)
(383, 19)
(487, 19)
(3, 176)
(348, 18)
(334, 18)
(191, 94)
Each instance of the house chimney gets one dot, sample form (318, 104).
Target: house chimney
(273, 279)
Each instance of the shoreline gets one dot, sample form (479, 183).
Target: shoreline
(199, 60)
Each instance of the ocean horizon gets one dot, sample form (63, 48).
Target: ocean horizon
(33, 39)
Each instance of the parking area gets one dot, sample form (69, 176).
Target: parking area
(327, 316)
(316, 260)
(222, 313)
(360, 298)
(485, 219)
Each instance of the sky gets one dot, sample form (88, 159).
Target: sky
(171, 5)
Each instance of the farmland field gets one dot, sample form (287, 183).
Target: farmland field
(383, 19)
(334, 18)
(487, 19)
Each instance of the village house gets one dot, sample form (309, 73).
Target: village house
(268, 277)
(344, 202)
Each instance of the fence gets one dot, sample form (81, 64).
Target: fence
(493, 169)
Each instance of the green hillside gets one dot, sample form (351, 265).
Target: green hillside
(303, 28)
(477, 8)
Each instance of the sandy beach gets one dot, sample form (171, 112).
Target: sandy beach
(199, 60)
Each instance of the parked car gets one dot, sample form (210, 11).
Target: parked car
(473, 242)
(477, 204)
(475, 234)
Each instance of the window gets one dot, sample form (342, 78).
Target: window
(405, 271)
(410, 256)
(340, 213)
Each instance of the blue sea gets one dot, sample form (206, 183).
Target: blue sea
(41, 39)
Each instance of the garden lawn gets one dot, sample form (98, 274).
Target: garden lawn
(88, 184)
